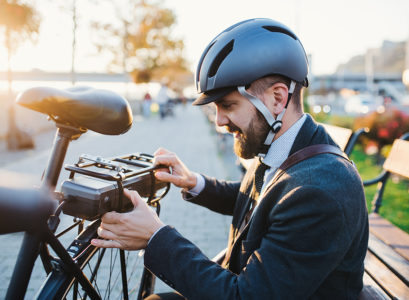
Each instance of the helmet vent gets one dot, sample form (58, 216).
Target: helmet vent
(199, 66)
(280, 29)
(219, 58)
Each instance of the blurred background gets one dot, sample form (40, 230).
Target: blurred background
(358, 50)
(358, 53)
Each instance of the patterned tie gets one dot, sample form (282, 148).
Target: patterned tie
(259, 175)
(258, 182)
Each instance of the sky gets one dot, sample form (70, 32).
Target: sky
(331, 31)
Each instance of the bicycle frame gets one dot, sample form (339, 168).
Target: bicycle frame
(33, 242)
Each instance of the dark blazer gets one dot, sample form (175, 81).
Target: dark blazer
(307, 238)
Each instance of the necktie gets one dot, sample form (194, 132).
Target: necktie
(259, 175)
(258, 182)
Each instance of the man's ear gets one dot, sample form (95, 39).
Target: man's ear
(275, 97)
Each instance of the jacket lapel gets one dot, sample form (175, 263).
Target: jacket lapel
(248, 199)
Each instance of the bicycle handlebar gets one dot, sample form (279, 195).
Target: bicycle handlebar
(24, 209)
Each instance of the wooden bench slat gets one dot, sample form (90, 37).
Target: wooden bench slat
(389, 234)
(371, 290)
(385, 278)
(340, 135)
(392, 259)
(398, 159)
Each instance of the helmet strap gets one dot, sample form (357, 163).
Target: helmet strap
(274, 123)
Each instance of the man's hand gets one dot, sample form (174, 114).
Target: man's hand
(131, 230)
(177, 173)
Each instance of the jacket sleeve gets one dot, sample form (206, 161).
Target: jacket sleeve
(217, 195)
(306, 239)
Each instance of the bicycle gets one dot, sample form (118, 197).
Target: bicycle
(95, 186)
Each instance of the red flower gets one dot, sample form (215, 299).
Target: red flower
(383, 133)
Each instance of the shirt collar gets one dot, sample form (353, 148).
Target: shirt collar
(281, 147)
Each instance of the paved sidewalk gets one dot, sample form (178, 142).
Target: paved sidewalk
(187, 133)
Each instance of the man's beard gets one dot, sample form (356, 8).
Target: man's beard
(251, 139)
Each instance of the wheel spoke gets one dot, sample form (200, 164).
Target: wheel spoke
(102, 269)
(123, 274)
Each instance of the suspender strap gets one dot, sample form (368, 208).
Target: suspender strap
(306, 153)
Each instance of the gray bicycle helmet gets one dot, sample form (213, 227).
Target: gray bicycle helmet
(245, 52)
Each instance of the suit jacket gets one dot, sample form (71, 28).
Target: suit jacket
(306, 240)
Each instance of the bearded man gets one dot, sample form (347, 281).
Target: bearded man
(300, 226)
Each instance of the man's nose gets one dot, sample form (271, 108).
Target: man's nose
(221, 118)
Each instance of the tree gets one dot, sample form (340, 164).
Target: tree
(142, 44)
(72, 8)
(21, 23)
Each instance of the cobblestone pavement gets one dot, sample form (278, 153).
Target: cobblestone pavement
(187, 133)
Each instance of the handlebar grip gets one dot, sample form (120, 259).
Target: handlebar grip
(24, 209)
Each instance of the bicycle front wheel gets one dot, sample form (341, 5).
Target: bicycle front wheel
(102, 267)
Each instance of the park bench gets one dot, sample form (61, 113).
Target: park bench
(345, 138)
(387, 259)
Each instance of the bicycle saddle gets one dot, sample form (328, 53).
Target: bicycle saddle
(98, 110)
(24, 209)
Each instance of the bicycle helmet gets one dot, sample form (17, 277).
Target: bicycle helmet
(245, 52)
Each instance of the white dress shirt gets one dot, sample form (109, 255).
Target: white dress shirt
(280, 149)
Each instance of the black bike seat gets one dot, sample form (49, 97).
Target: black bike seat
(24, 209)
(98, 110)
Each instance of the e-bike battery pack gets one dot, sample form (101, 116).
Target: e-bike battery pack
(98, 190)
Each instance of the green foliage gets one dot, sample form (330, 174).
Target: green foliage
(395, 204)
(321, 117)
(328, 118)
(342, 121)
(336, 120)
(306, 106)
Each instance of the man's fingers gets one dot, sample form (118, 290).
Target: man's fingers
(161, 151)
(167, 170)
(133, 196)
(105, 243)
(106, 234)
(169, 160)
(111, 217)
(164, 176)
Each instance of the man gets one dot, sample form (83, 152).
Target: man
(162, 98)
(300, 235)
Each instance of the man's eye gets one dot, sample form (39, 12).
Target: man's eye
(226, 106)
